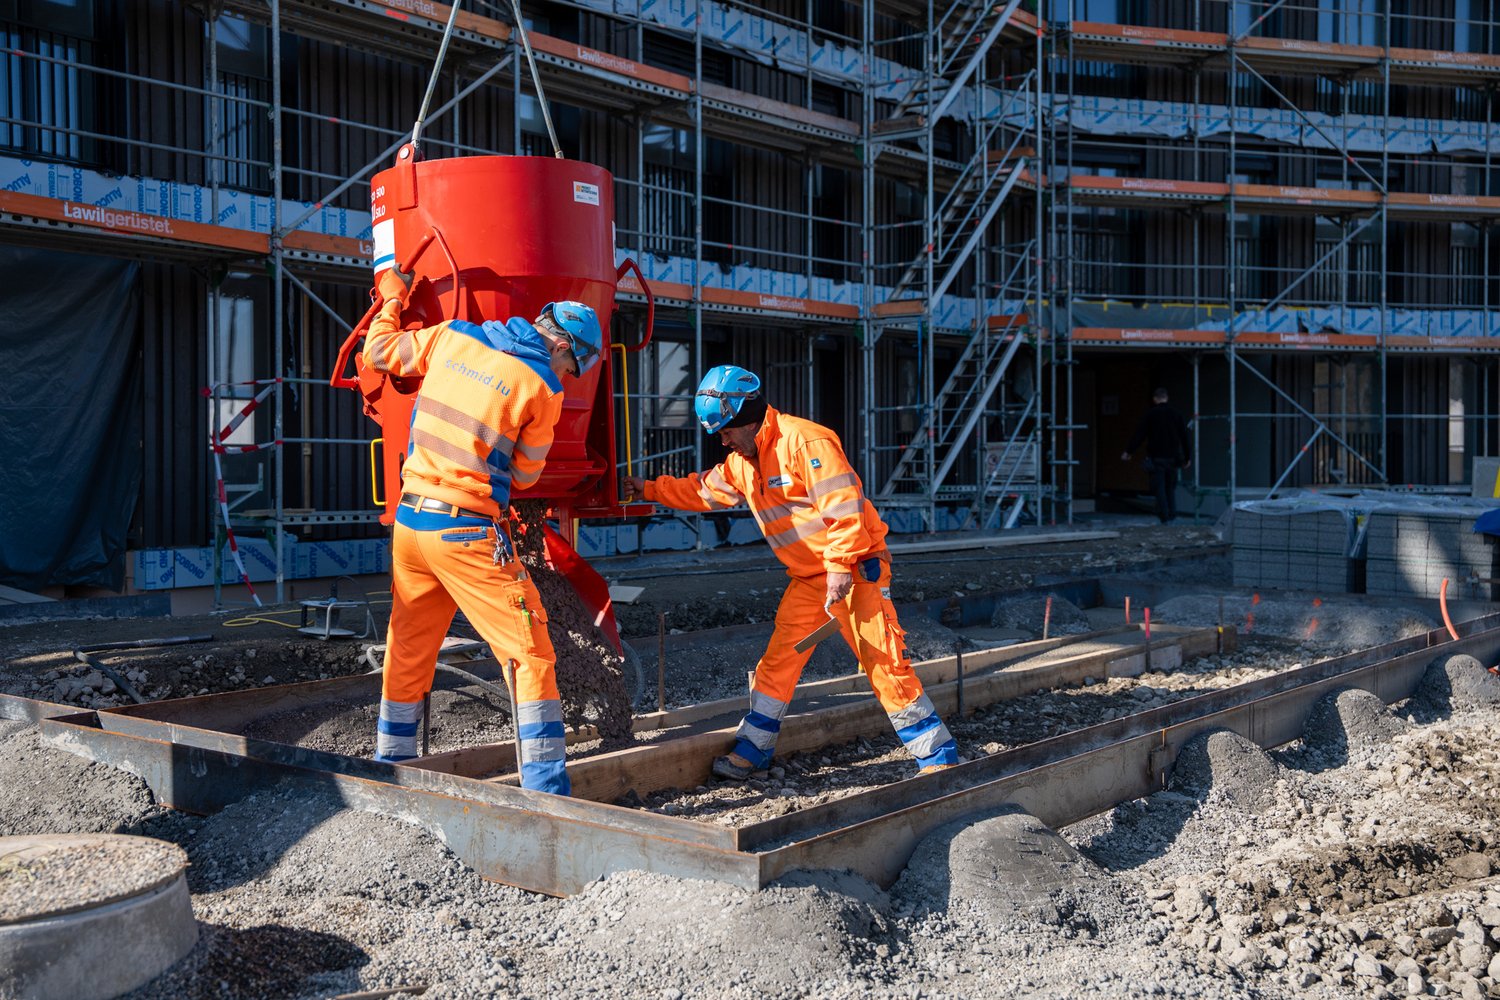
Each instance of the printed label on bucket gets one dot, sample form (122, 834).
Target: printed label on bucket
(385, 244)
(587, 194)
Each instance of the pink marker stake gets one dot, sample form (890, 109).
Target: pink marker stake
(1127, 610)
(1148, 624)
(1047, 617)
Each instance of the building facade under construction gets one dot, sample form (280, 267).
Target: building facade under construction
(972, 237)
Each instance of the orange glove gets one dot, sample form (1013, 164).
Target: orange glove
(393, 283)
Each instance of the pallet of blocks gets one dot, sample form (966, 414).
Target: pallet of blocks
(1411, 553)
(1290, 549)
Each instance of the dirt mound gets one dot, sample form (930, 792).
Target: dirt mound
(1349, 720)
(1457, 682)
(1226, 764)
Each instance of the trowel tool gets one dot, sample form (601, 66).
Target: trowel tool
(818, 634)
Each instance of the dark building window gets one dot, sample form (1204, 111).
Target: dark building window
(41, 83)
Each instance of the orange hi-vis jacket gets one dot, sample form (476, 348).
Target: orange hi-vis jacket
(485, 413)
(805, 496)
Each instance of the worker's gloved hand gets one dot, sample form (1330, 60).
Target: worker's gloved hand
(632, 488)
(839, 585)
(393, 283)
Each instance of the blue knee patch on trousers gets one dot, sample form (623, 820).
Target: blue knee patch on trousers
(760, 758)
(546, 776)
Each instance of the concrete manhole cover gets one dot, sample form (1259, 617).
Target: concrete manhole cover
(90, 915)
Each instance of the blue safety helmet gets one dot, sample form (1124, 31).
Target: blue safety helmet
(580, 325)
(722, 393)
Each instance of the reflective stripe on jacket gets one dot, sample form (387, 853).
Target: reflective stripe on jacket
(486, 411)
(804, 494)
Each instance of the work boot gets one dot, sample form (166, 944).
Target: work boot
(934, 768)
(733, 767)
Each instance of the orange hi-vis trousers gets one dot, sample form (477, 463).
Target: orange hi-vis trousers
(440, 562)
(867, 619)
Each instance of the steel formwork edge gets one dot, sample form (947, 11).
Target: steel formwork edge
(1066, 789)
(528, 839)
(558, 846)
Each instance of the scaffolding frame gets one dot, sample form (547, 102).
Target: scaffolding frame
(1245, 54)
(1022, 268)
(965, 244)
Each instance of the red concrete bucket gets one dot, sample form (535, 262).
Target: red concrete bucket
(489, 238)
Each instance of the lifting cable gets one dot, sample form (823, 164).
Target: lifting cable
(536, 79)
(437, 68)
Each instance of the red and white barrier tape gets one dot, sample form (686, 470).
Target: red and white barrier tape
(234, 547)
(220, 449)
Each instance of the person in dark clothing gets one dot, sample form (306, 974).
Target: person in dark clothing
(1164, 434)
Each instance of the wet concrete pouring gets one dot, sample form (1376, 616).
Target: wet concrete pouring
(1354, 863)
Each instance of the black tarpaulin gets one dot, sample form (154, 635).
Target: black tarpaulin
(70, 417)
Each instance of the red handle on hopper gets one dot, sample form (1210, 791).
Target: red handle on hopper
(341, 365)
(629, 264)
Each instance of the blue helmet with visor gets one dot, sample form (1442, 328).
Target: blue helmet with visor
(721, 397)
(580, 326)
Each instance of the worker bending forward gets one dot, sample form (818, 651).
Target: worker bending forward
(811, 507)
(491, 395)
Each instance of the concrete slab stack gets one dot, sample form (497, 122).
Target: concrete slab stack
(1409, 554)
(1297, 550)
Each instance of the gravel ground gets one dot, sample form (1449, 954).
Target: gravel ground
(801, 780)
(1341, 866)
(1355, 876)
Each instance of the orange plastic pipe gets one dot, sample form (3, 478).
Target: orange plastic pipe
(1443, 604)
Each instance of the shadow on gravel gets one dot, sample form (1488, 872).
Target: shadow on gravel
(268, 962)
(248, 838)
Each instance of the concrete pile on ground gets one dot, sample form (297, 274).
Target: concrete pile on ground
(1029, 612)
(43, 790)
(1225, 765)
(588, 670)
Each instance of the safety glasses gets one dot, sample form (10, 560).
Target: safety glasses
(583, 353)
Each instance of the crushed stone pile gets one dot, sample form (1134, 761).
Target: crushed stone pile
(1367, 877)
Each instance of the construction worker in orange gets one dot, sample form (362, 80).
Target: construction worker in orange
(811, 507)
(491, 395)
